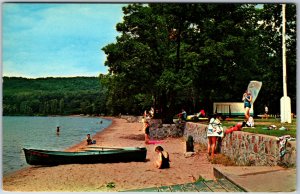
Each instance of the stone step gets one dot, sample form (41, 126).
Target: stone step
(259, 178)
(214, 186)
(229, 186)
(221, 185)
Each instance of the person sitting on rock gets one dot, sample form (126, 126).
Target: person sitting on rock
(183, 115)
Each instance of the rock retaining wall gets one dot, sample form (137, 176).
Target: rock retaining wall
(247, 148)
(132, 119)
(157, 129)
(242, 147)
(161, 131)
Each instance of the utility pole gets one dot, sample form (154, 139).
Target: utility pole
(285, 101)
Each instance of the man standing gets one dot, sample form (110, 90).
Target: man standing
(266, 111)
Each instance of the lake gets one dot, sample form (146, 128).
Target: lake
(40, 132)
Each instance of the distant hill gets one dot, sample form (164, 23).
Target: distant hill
(20, 85)
(47, 96)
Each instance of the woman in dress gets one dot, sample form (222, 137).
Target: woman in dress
(214, 131)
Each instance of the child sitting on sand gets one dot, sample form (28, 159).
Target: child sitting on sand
(88, 139)
(163, 158)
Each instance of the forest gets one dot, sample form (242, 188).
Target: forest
(53, 96)
(189, 55)
(171, 56)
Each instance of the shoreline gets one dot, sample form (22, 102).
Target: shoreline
(67, 147)
(82, 144)
(125, 176)
(74, 147)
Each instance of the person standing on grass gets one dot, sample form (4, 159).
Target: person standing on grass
(247, 98)
(266, 111)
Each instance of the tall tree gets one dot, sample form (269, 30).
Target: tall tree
(270, 60)
(177, 55)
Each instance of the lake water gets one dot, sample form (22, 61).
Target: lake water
(40, 133)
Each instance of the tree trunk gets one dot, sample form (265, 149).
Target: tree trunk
(168, 107)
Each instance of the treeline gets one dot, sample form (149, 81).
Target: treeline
(189, 55)
(52, 96)
(171, 56)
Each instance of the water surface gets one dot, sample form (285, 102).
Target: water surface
(40, 133)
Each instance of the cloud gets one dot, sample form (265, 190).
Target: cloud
(41, 39)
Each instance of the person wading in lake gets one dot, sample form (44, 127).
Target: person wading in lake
(57, 130)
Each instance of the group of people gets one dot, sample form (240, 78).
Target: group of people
(182, 116)
(215, 129)
(88, 136)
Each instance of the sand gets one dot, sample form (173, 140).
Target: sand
(115, 176)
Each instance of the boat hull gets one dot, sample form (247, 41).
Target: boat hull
(46, 157)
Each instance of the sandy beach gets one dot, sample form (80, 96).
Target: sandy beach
(124, 176)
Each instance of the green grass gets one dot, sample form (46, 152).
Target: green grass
(262, 124)
(200, 179)
(111, 185)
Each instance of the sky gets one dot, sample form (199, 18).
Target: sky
(57, 39)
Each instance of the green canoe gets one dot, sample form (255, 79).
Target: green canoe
(93, 155)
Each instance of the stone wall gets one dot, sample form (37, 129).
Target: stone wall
(161, 131)
(242, 147)
(247, 148)
(157, 129)
(132, 119)
(257, 149)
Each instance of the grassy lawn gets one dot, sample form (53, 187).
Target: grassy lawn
(260, 126)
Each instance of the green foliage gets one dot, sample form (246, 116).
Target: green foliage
(200, 179)
(111, 185)
(49, 96)
(270, 61)
(171, 56)
(189, 55)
